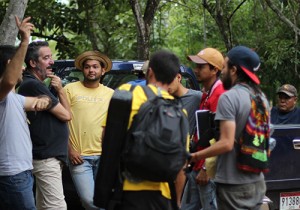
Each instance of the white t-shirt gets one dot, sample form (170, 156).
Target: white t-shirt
(15, 142)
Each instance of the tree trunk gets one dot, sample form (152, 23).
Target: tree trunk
(219, 11)
(8, 28)
(143, 25)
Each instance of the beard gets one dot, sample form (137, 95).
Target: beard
(87, 79)
(42, 73)
(227, 81)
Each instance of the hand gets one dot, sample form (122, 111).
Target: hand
(75, 157)
(42, 103)
(202, 178)
(194, 157)
(55, 82)
(25, 28)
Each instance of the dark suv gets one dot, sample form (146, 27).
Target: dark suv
(121, 72)
(283, 180)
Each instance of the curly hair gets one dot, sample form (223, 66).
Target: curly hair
(33, 51)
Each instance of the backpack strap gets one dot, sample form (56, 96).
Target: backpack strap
(132, 88)
(173, 195)
(149, 92)
(245, 87)
(256, 97)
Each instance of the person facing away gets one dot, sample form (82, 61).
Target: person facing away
(148, 195)
(16, 180)
(89, 102)
(238, 77)
(141, 75)
(200, 189)
(48, 129)
(286, 111)
(190, 100)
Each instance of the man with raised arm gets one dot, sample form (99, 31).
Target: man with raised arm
(16, 181)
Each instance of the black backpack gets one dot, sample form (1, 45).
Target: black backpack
(155, 148)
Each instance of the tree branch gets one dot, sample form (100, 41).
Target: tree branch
(282, 17)
(236, 9)
(58, 39)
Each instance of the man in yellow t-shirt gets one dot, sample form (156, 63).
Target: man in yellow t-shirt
(89, 102)
(147, 195)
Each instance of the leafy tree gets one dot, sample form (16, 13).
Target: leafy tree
(222, 12)
(186, 34)
(128, 30)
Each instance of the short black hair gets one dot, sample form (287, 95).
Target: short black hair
(7, 52)
(33, 51)
(165, 66)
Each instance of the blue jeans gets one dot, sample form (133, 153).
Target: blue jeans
(195, 195)
(84, 176)
(16, 192)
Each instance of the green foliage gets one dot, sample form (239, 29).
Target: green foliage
(181, 26)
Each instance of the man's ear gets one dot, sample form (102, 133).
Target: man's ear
(32, 63)
(149, 73)
(215, 70)
(150, 76)
(233, 70)
(179, 77)
(296, 99)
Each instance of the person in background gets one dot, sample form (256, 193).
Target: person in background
(200, 189)
(48, 129)
(286, 111)
(235, 188)
(190, 100)
(141, 75)
(16, 180)
(89, 102)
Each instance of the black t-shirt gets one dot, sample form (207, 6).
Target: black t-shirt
(278, 117)
(49, 135)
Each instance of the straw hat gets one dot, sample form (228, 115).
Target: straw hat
(93, 55)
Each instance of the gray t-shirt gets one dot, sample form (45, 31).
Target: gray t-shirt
(15, 143)
(234, 105)
(191, 102)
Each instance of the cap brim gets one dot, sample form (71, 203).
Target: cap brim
(251, 75)
(93, 55)
(286, 92)
(196, 59)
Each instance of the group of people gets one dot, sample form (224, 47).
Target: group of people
(68, 127)
(59, 128)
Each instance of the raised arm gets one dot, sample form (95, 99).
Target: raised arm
(13, 70)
